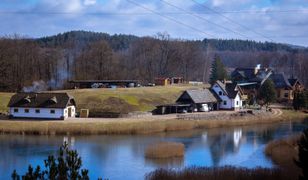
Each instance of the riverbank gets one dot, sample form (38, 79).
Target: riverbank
(142, 125)
(283, 152)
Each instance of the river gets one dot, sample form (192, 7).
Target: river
(122, 156)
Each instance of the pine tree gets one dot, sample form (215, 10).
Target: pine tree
(218, 71)
(302, 161)
(267, 93)
(66, 166)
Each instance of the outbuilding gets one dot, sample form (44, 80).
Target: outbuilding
(42, 106)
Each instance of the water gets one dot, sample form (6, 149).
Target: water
(122, 157)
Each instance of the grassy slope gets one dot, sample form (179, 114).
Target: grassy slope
(121, 100)
(4, 100)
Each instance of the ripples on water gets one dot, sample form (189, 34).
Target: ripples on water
(122, 157)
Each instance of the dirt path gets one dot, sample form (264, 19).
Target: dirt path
(276, 112)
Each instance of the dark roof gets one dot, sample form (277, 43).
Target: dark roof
(293, 81)
(199, 96)
(230, 89)
(248, 74)
(280, 81)
(41, 100)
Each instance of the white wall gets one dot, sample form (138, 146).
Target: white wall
(73, 110)
(223, 97)
(230, 103)
(44, 113)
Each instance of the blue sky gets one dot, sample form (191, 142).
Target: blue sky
(284, 21)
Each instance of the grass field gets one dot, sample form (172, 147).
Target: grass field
(120, 100)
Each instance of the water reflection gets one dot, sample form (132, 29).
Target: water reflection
(115, 157)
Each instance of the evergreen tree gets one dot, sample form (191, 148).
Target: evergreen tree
(302, 161)
(66, 166)
(267, 93)
(218, 71)
(300, 100)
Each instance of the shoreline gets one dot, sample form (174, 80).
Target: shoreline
(131, 126)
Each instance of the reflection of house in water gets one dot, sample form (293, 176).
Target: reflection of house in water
(237, 135)
(69, 140)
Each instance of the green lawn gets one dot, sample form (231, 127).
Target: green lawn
(121, 100)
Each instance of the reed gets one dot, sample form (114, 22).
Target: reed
(218, 173)
(165, 150)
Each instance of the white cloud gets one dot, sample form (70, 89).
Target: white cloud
(89, 2)
(120, 16)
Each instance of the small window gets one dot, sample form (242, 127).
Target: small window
(37, 111)
(65, 111)
(225, 102)
(216, 86)
(286, 95)
(220, 93)
(236, 102)
(52, 111)
(26, 110)
(16, 110)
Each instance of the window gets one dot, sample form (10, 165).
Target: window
(16, 110)
(225, 102)
(52, 111)
(220, 93)
(65, 111)
(26, 110)
(37, 111)
(286, 95)
(236, 102)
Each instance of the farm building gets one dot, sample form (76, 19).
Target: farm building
(163, 81)
(103, 83)
(202, 100)
(230, 94)
(42, 106)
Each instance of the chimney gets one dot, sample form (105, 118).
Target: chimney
(257, 68)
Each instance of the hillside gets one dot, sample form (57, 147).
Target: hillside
(103, 102)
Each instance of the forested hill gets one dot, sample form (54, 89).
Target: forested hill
(53, 61)
(83, 38)
(121, 42)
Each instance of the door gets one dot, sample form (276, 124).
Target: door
(69, 112)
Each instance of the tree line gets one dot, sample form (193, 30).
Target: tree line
(87, 55)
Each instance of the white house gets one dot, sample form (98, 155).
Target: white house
(42, 106)
(229, 94)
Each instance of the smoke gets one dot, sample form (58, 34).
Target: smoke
(37, 86)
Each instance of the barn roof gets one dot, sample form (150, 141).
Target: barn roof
(200, 96)
(41, 100)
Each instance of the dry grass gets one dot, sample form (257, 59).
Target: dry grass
(4, 100)
(124, 125)
(283, 153)
(165, 150)
(221, 173)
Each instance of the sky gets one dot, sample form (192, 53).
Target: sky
(283, 21)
